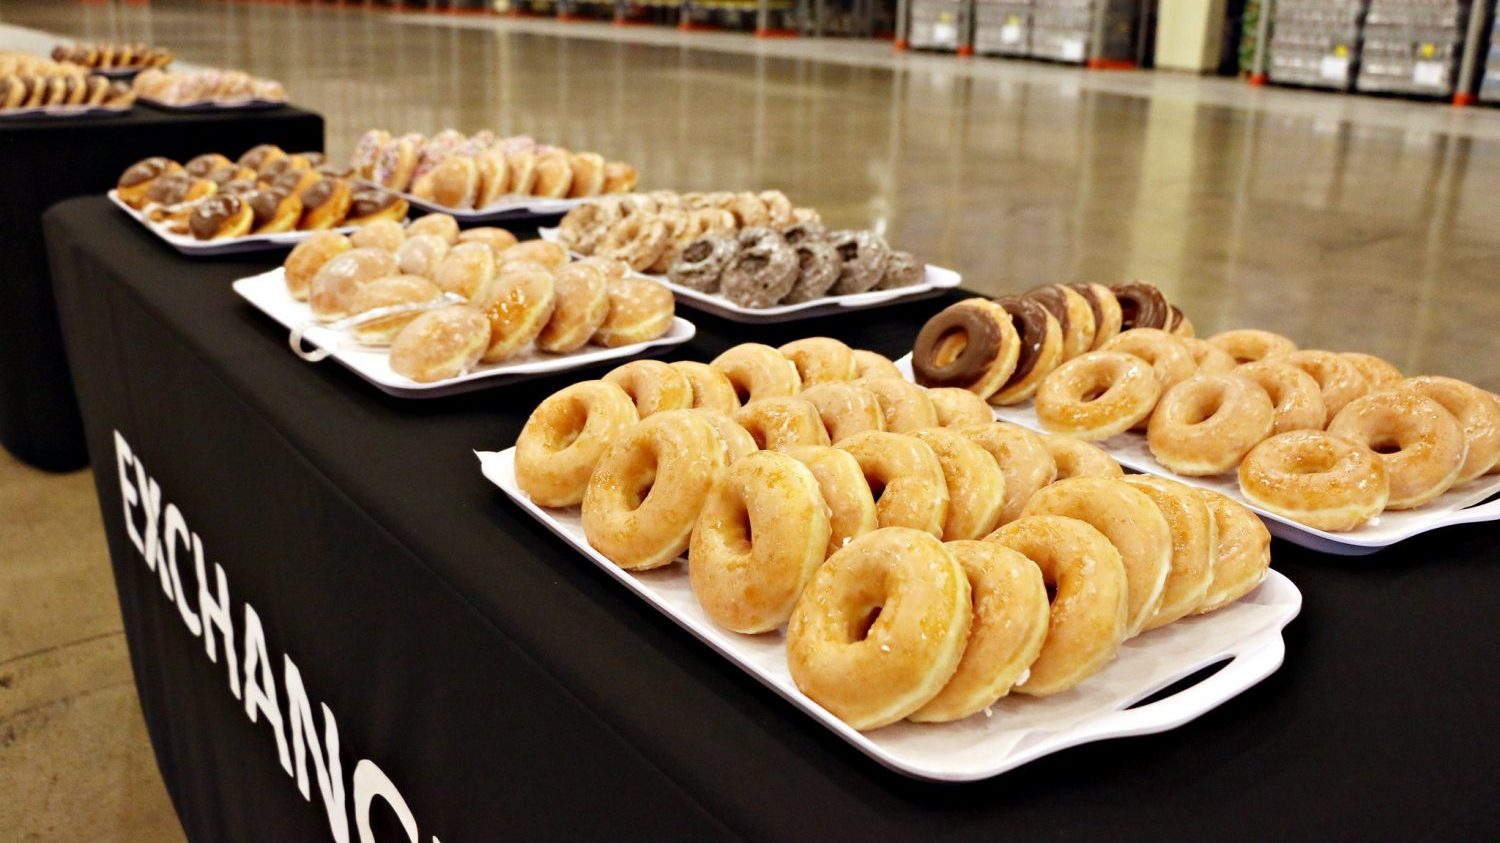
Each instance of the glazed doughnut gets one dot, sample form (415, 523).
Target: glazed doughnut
(639, 311)
(1073, 314)
(521, 165)
(1421, 444)
(383, 234)
(881, 627)
(619, 177)
(711, 389)
(1168, 357)
(1378, 373)
(1076, 458)
(496, 238)
(1295, 395)
(1208, 358)
(737, 441)
(761, 534)
(845, 408)
(1475, 411)
(970, 345)
(645, 494)
(904, 405)
(762, 272)
(1247, 345)
(820, 360)
(818, 268)
(588, 174)
(494, 177)
(959, 407)
(332, 289)
(539, 252)
(1206, 424)
(468, 270)
(421, 255)
(683, 228)
(758, 372)
(905, 478)
(638, 240)
(1097, 395)
(1179, 325)
(452, 184)
(701, 265)
(778, 208)
(976, 486)
(777, 423)
(518, 305)
(1338, 379)
(438, 225)
(308, 257)
(1242, 551)
(1086, 622)
(1023, 458)
(1005, 635)
(863, 255)
(1106, 312)
(1315, 479)
(851, 505)
(1142, 305)
(653, 386)
(582, 297)
(1040, 349)
(748, 210)
(1194, 541)
(440, 344)
(565, 437)
(1131, 522)
(390, 291)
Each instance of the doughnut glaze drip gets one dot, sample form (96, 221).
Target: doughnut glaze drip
(1142, 306)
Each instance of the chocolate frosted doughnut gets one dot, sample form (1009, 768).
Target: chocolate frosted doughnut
(801, 232)
(210, 216)
(762, 273)
(144, 171)
(819, 264)
(864, 254)
(702, 263)
(1142, 305)
(902, 269)
(982, 345)
(1087, 291)
(1030, 319)
(170, 188)
(1054, 299)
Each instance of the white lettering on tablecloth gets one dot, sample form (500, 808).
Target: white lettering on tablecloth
(158, 540)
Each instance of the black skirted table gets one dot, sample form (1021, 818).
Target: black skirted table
(48, 160)
(298, 555)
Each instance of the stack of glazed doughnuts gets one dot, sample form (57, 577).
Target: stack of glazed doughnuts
(109, 56)
(924, 559)
(265, 191)
(466, 297)
(476, 171)
(223, 87)
(75, 89)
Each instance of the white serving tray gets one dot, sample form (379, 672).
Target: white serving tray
(63, 111)
(1017, 729)
(937, 279)
(268, 292)
(508, 209)
(189, 245)
(214, 105)
(1456, 506)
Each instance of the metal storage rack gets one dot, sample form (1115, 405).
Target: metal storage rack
(1489, 87)
(1412, 46)
(941, 25)
(1002, 27)
(1316, 42)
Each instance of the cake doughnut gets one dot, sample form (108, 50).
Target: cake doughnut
(762, 272)
(496, 238)
(1040, 351)
(421, 255)
(1086, 618)
(638, 240)
(863, 255)
(440, 344)
(1194, 542)
(701, 265)
(1242, 551)
(959, 407)
(818, 268)
(1023, 458)
(1339, 380)
(905, 478)
(1132, 523)
(332, 289)
(539, 252)
(1106, 312)
(653, 386)
(777, 423)
(1421, 444)
(1315, 479)
(758, 372)
(762, 533)
(438, 225)
(639, 311)
(468, 270)
(1206, 424)
(902, 269)
(711, 389)
(582, 228)
(1378, 373)
(1295, 396)
(518, 305)
(904, 405)
(1208, 358)
(1475, 411)
(645, 494)
(1142, 305)
(565, 437)
(976, 486)
(1005, 635)
(390, 291)
(1097, 395)
(851, 505)
(383, 234)
(1168, 357)
(582, 297)
(869, 364)
(1073, 315)
(308, 257)
(737, 441)
(1247, 345)
(970, 345)
(820, 360)
(1076, 458)
(845, 408)
(881, 628)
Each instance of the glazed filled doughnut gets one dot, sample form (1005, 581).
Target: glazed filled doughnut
(539, 252)
(1106, 312)
(1297, 400)
(385, 234)
(440, 344)
(1040, 351)
(1142, 305)
(565, 437)
(1242, 551)
(820, 360)
(1005, 635)
(1378, 373)
(758, 372)
(421, 255)
(1247, 345)
(1097, 395)
(496, 238)
(1316, 479)
(845, 408)
(905, 477)
(639, 311)
(959, 407)
(518, 305)
(1206, 424)
(1023, 458)
(762, 533)
(1475, 411)
(881, 627)
(1194, 541)
(588, 174)
(904, 405)
(582, 304)
(1170, 359)
(332, 289)
(1076, 458)
(711, 389)
(1131, 522)
(1073, 314)
(308, 257)
(1208, 358)
(438, 225)
(653, 386)
(1339, 380)
(1086, 620)
(390, 291)
(971, 345)
(1421, 444)
(869, 364)
(777, 423)
(737, 441)
(976, 486)
(468, 270)
(851, 505)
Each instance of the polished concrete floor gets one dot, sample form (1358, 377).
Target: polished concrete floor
(1345, 222)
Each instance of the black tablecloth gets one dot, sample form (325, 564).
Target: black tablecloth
(509, 689)
(46, 161)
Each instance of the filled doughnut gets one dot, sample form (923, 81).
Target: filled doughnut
(468, 270)
(1142, 305)
(970, 345)
(1097, 395)
(1206, 424)
(820, 360)
(308, 257)
(1476, 412)
(905, 477)
(219, 216)
(440, 344)
(1040, 350)
(331, 291)
(276, 211)
(565, 437)
(653, 386)
(1194, 542)
(1023, 458)
(369, 205)
(1247, 345)
(1296, 399)
(904, 405)
(1073, 314)
(1316, 479)
(1242, 551)
(959, 407)
(390, 291)
(869, 364)
(711, 390)
(976, 486)
(518, 305)
(1421, 444)
(639, 311)
(539, 252)
(581, 297)
(1076, 458)
(1378, 373)
(496, 238)
(384, 234)
(757, 372)
(1339, 380)
(438, 225)
(851, 504)
(845, 408)
(777, 423)
(1106, 311)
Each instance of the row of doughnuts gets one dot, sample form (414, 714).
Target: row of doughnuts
(112, 56)
(466, 297)
(16, 63)
(17, 91)
(205, 86)
(473, 172)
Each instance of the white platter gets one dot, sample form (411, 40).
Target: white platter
(214, 105)
(268, 293)
(936, 280)
(1017, 729)
(63, 111)
(1456, 506)
(508, 209)
(189, 245)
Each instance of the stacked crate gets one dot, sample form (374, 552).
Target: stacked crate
(1412, 46)
(1002, 27)
(1061, 30)
(939, 24)
(1316, 42)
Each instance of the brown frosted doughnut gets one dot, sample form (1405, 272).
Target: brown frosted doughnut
(1142, 305)
(1097, 395)
(905, 478)
(1023, 459)
(1206, 424)
(851, 505)
(1297, 399)
(845, 408)
(653, 386)
(1106, 310)
(1421, 444)
(757, 372)
(1041, 345)
(1179, 325)
(970, 345)
(1317, 479)
(902, 269)
(976, 486)
(1194, 542)
(711, 389)
(1247, 345)
(820, 360)
(1340, 380)
(1073, 313)
(782, 422)
(959, 407)
(1475, 411)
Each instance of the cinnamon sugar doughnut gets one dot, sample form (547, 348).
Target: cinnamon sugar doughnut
(871, 365)
(1106, 312)
(976, 486)
(1315, 478)
(1041, 344)
(711, 389)
(970, 345)
(1297, 399)
(653, 386)
(582, 305)
(904, 405)
(851, 505)
(1097, 395)
(820, 360)
(1378, 373)
(1206, 424)
(440, 344)
(1076, 458)
(757, 372)
(782, 422)
(1023, 459)
(518, 305)
(1194, 541)
(639, 311)
(1475, 411)
(1168, 357)
(1242, 551)
(1073, 313)
(1247, 345)
(1208, 358)
(1421, 444)
(959, 407)
(845, 408)
(905, 478)
(565, 437)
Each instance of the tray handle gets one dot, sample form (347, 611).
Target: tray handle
(1474, 514)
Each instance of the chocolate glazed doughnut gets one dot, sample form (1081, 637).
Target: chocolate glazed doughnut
(1142, 306)
(1073, 313)
(1041, 348)
(970, 345)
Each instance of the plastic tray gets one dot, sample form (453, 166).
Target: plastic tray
(268, 293)
(1017, 729)
(63, 111)
(189, 245)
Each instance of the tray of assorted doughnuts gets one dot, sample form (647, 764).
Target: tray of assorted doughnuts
(114, 60)
(32, 86)
(952, 595)
(748, 257)
(207, 90)
(1338, 451)
(426, 310)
